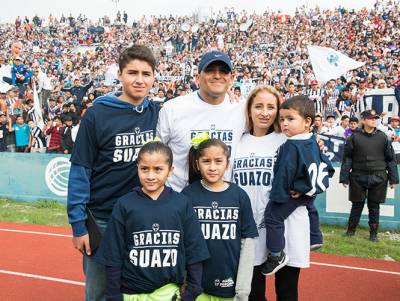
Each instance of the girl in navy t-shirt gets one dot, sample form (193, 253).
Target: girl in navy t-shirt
(226, 220)
(153, 237)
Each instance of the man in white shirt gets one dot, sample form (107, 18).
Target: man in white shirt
(206, 110)
(339, 130)
(44, 87)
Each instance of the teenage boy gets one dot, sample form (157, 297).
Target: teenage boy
(103, 159)
(368, 165)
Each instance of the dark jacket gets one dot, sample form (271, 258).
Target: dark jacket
(366, 156)
(66, 139)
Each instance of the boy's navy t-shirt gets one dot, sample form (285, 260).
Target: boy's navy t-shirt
(225, 218)
(152, 241)
(300, 167)
(109, 139)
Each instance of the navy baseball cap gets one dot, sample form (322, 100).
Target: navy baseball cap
(369, 114)
(214, 56)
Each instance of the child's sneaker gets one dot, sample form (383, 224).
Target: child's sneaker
(315, 247)
(274, 264)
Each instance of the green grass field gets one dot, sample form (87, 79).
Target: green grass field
(54, 214)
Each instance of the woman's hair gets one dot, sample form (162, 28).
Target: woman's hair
(249, 103)
(302, 105)
(196, 153)
(156, 147)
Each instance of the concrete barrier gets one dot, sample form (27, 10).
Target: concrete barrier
(32, 177)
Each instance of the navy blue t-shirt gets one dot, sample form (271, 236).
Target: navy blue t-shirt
(108, 142)
(225, 218)
(152, 241)
(300, 166)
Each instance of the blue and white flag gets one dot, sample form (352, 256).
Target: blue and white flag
(333, 147)
(329, 64)
(382, 100)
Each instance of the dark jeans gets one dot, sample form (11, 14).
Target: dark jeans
(286, 284)
(20, 149)
(53, 151)
(315, 232)
(275, 215)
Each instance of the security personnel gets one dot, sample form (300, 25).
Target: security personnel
(368, 165)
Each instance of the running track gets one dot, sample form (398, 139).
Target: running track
(37, 266)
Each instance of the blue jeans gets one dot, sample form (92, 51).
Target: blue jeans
(95, 273)
(315, 232)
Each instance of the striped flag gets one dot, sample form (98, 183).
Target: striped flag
(38, 109)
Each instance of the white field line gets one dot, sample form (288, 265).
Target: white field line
(42, 277)
(354, 268)
(34, 232)
(312, 262)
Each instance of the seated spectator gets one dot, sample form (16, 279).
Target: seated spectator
(20, 75)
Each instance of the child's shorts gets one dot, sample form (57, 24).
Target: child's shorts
(205, 297)
(165, 293)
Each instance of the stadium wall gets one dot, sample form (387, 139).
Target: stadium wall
(33, 177)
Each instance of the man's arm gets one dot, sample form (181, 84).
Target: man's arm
(78, 197)
(10, 126)
(163, 126)
(63, 137)
(347, 161)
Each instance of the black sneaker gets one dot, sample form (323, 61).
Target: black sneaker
(274, 264)
(315, 247)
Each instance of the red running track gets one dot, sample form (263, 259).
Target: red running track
(36, 255)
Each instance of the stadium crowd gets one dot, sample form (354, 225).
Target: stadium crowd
(72, 60)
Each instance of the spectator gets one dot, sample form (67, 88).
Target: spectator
(66, 136)
(44, 86)
(54, 128)
(318, 126)
(339, 131)
(394, 128)
(52, 110)
(22, 133)
(317, 95)
(37, 141)
(78, 90)
(3, 132)
(20, 75)
(353, 127)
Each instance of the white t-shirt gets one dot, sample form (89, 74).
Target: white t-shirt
(184, 117)
(253, 171)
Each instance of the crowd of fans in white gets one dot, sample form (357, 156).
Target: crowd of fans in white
(72, 60)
